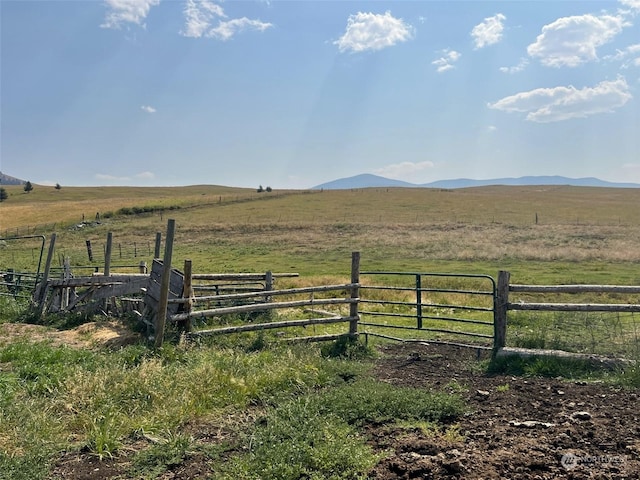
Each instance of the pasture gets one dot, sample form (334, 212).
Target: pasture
(222, 409)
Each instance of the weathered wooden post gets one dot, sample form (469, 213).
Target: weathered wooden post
(64, 302)
(156, 251)
(187, 294)
(107, 266)
(419, 299)
(500, 311)
(107, 255)
(355, 293)
(268, 284)
(45, 276)
(164, 286)
(89, 251)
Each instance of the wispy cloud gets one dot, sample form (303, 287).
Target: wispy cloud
(145, 175)
(522, 64)
(489, 31)
(200, 16)
(148, 109)
(105, 177)
(633, 5)
(572, 41)
(629, 56)
(227, 29)
(446, 61)
(370, 32)
(544, 105)
(120, 12)
(403, 170)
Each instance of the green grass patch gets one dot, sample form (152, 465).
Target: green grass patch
(165, 453)
(545, 366)
(316, 435)
(58, 398)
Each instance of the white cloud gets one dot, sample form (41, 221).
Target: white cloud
(148, 109)
(571, 41)
(370, 31)
(632, 4)
(201, 14)
(127, 11)
(544, 105)
(489, 31)
(492, 128)
(198, 15)
(630, 56)
(111, 178)
(105, 177)
(227, 29)
(444, 63)
(403, 170)
(522, 64)
(146, 175)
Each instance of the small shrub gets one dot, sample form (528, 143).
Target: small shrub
(347, 347)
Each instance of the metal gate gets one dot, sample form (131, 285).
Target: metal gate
(445, 308)
(18, 259)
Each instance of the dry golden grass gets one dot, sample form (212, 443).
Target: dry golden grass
(579, 230)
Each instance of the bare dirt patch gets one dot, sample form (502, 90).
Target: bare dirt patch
(107, 333)
(516, 427)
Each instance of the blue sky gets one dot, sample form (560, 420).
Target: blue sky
(292, 94)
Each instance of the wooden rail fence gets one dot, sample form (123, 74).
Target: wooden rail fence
(504, 305)
(262, 300)
(169, 295)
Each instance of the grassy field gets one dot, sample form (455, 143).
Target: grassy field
(57, 398)
(579, 232)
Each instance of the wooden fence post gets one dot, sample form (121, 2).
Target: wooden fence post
(156, 251)
(107, 255)
(268, 284)
(45, 276)
(500, 311)
(164, 286)
(89, 251)
(355, 292)
(188, 294)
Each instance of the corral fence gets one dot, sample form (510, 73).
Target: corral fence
(463, 309)
(253, 297)
(19, 282)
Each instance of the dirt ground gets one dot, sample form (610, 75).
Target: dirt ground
(516, 427)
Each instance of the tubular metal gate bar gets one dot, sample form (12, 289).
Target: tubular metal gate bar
(419, 306)
(15, 281)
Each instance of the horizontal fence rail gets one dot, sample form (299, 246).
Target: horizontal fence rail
(260, 300)
(593, 333)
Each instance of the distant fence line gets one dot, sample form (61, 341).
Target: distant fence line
(85, 220)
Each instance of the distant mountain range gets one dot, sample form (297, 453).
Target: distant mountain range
(9, 180)
(367, 180)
